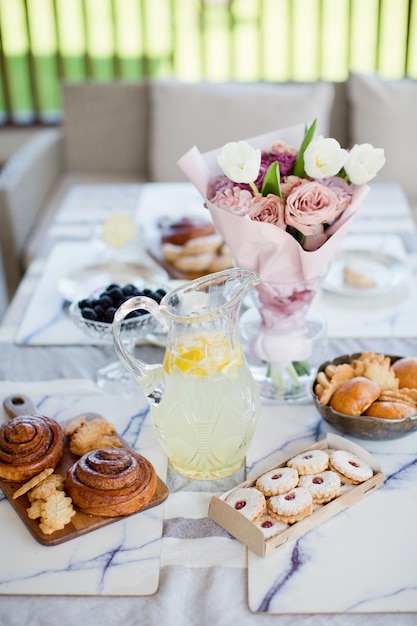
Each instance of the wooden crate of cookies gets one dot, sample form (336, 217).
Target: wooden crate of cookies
(283, 503)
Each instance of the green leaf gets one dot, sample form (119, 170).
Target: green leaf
(271, 182)
(299, 162)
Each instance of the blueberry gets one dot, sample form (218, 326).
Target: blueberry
(109, 314)
(129, 290)
(89, 314)
(105, 301)
(99, 311)
(84, 303)
(116, 294)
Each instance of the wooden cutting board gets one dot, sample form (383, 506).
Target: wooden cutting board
(81, 523)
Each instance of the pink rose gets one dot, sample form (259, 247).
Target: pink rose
(233, 199)
(279, 147)
(288, 183)
(310, 205)
(268, 209)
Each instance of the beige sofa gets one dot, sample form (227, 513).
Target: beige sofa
(137, 132)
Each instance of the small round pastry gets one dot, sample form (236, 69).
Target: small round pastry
(270, 526)
(391, 410)
(291, 507)
(111, 481)
(248, 501)
(351, 468)
(186, 228)
(28, 445)
(310, 462)
(405, 370)
(355, 396)
(323, 486)
(277, 481)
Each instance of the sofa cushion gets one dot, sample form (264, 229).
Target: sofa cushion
(383, 113)
(106, 128)
(210, 114)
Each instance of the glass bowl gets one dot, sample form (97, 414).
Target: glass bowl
(137, 330)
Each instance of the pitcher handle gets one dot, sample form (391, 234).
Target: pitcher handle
(149, 376)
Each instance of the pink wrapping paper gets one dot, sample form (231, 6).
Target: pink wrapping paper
(273, 253)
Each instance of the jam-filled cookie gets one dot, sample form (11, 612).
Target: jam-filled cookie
(310, 462)
(291, 507)
(323, 486)
(351, 468)
(270, 526)
(277, 481)
(248, 501)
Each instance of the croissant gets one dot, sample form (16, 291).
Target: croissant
(28, 445)
(111, 481)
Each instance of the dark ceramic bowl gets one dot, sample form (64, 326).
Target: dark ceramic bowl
(363, 427)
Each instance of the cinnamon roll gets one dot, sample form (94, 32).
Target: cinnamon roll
(28, 445)
(111, 481)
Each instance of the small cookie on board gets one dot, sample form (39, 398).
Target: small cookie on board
(351, 468)
(291, 507)
(310, 462)
(277, 481)
(270, 526)
(323, 487)
(247, 500)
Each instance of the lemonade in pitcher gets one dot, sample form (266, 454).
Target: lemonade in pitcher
(203, 399)
(207, 436)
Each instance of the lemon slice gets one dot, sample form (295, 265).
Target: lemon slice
(118, 230)
(204, 359)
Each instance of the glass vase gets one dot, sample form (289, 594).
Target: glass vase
(284, 339)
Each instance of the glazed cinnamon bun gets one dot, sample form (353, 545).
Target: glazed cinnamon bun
(111, 481)
(28, 445)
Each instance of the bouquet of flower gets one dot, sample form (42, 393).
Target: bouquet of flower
(283, 203)
(282, 210)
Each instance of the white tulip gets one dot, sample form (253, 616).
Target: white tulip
(324, 158)
(240, 162)
(363, 162)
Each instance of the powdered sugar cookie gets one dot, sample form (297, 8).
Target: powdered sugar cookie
(323, 486)
(291, 507)
(277, 481)
(270, 526)
(248, 501)
(351, 468)
(310, 462)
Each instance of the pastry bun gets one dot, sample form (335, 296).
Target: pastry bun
(28, 445)
(111, 481)
(390, 410)
(185, 229)
(355, 396)
(405, 370)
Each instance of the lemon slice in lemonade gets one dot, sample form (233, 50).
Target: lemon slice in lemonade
(204, 358)
(118, 230)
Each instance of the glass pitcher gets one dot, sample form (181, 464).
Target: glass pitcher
(203, 398)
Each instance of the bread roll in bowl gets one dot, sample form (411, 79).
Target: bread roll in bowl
(390, 410)
(405, 370)
(355, 396)
(28, 445)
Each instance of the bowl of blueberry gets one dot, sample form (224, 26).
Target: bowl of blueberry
(94, 314)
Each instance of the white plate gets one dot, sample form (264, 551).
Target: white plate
(81, 282)
(387, 272)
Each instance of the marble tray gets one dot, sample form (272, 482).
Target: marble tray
(374, 538)
(121, 558)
